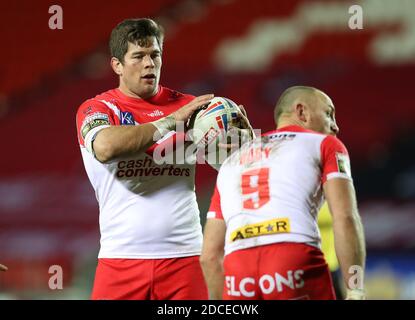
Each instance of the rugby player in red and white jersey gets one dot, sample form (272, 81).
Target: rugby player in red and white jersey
(151, 235)
(261, 239)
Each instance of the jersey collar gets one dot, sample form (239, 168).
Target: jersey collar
(290, 128)
(154, 99)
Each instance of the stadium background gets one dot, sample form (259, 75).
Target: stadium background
(249, 51)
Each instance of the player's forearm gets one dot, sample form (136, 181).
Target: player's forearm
(213, 273)
(118, 141)
(350, 249)
(211, 259)
(348, 233)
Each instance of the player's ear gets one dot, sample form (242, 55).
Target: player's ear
(301, 112)
(117, 66)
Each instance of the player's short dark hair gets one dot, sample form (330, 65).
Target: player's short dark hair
(137, 31)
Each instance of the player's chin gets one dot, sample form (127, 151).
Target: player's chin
(148, 90)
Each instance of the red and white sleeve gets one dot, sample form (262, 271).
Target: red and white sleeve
(92, 116)
(215, 211)
(335, 160)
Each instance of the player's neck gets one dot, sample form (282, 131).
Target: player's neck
(289, 122)
(124, 89)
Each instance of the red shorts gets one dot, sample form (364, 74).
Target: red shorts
(155, 279)
(277, 272)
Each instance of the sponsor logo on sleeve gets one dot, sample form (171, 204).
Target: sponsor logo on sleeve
(92, 121)
(343, 163)
(127, 118)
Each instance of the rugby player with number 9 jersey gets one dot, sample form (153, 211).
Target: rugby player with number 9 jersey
(261, 238)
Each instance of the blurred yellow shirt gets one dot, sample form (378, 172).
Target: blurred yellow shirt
(325, 224)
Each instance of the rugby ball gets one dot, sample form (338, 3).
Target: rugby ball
(209, 125)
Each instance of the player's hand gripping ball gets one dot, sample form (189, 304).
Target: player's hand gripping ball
(210, 124)
(218, 129)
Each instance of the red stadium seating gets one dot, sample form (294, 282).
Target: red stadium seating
(34, 51)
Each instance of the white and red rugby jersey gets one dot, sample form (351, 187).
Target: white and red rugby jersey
(146, 210)
(270, 190)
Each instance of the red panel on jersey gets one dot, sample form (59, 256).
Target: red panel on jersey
(215, 205)
(332, 150)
